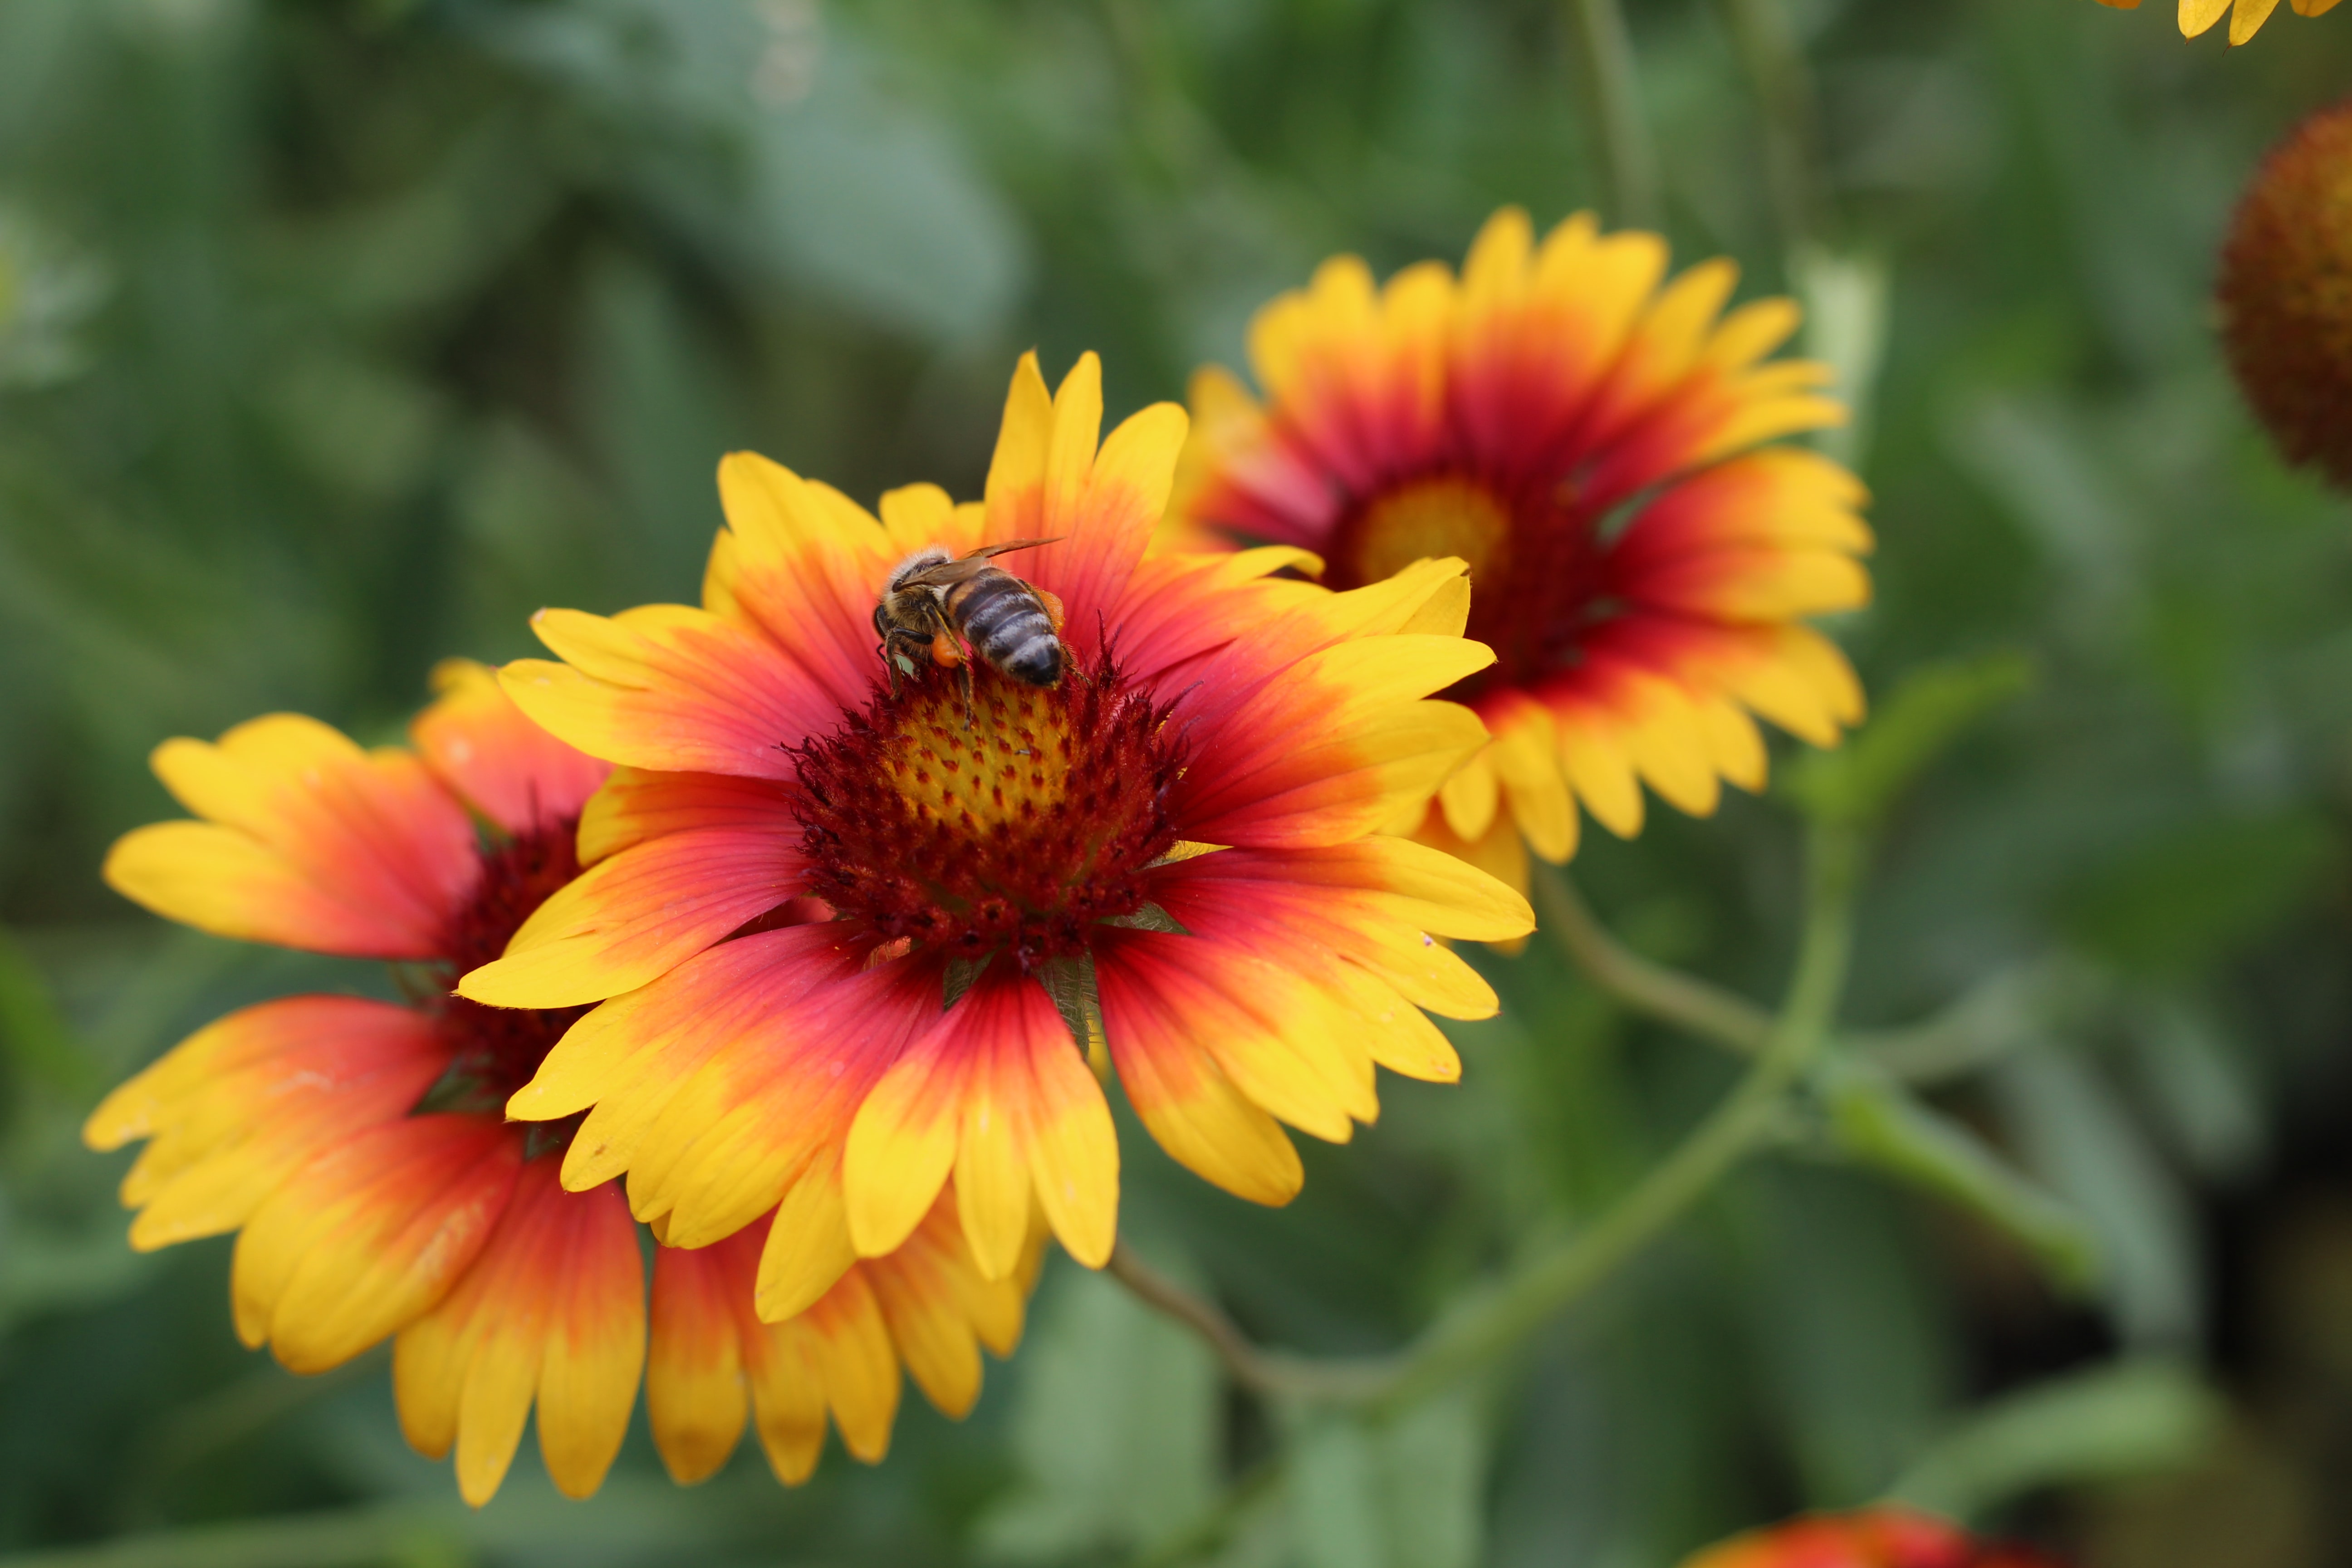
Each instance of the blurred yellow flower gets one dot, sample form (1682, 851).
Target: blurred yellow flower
(2196, 16)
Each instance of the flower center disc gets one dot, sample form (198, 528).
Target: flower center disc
(1021, 831)
(1530, 551)
(496, 1050)
(1435, 517)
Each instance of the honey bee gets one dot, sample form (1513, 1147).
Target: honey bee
(933, 599)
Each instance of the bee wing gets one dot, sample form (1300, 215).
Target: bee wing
(948, 573)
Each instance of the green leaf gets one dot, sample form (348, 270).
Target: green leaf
(53, 1268)
(1335, 1501)
(2073, 1131)
(1933, 707)
(2189, 898)
(2111, 1423)
(1404, 1493)
(1115, 1425)
(1845, 300)
(1876, 1122)
(34, 1035)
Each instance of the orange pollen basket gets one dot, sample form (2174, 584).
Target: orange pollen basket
(496, 1050)
(1532, 552)
(1019, 833)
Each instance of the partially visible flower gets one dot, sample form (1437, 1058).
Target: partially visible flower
(2285, 293)
(1167, 861)
(1867, 1537)
(2196, 16)
(359, 1146)
(1595, 442)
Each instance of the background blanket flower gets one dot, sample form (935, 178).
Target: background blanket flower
(1591, 439)
(1866, 1538)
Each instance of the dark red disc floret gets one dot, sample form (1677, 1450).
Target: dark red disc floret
(1018, 832)
(495, 1050)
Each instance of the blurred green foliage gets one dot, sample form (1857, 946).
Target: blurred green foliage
(337, 336)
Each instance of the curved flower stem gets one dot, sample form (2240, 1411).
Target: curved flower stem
(1775, 64)
(1267, 1373)
(1666, 995)
(1748, 1117)
(1555, 1275)
(1612, 106)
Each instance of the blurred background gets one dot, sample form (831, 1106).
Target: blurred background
(337, 336)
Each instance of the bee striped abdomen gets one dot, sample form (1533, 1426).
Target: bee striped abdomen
(1007, 628)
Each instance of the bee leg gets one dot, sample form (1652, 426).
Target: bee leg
(889, 662)
(964, 669)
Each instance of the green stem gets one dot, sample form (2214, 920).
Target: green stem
(1269, 1372)
(1748, 1117)
(1776, 65)
(1666, 995)
(1612, 112)
(1556, 1276)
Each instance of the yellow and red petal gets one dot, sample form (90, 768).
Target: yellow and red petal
(712, 1360)
(724, 1117)
(634, 916)
(942, 1308)
(2196, 16)
(636, 805)
(552, 1310)
(1048, 480)
(668, 687)
(370, 1235)
(1378, 904)
(1180, 611)
(482, 746)
(696, 1399)
(1174, 1081)
(240, 1106)
(801, 562)
(304, 840)
(998, 1093)
(1500, 852)
(808, 1246)
(1285, 1026)
(1334, 751)
(1661, 701)
(1311, 727)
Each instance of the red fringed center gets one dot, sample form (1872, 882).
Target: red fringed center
(1532, 549)
(495, 1050)
(1020, 832)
